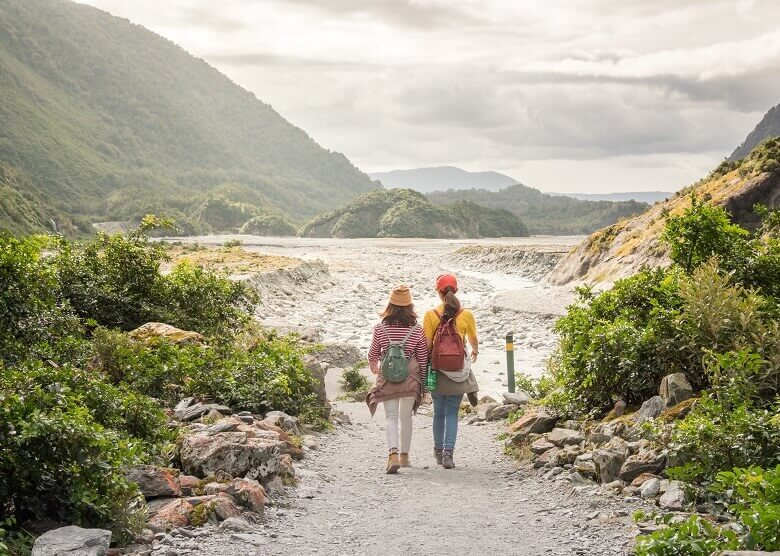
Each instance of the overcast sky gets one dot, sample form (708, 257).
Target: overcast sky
(564, 95)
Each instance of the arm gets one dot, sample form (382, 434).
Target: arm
(429, 329)
(472, 338)
(374, 354)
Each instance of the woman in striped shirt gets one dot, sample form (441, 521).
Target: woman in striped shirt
(400, 399)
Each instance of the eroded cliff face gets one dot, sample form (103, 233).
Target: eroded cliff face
(624, 248)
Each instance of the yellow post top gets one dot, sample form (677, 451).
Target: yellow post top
(510, 346)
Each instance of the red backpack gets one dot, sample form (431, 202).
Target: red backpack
(448, 349)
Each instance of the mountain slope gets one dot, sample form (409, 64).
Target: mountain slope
(437, 178)
(407, 213)
(623, 248)
(546, 214)
(769, 126)
(648, 197)
(104, 117)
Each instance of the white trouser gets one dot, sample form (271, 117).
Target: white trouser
(399, 409)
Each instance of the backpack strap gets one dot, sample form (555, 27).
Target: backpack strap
(408, 335)
(441, 315)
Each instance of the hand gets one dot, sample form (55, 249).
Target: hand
(427, 399)
(474, 356)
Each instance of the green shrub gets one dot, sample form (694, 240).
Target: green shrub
(352, 380)
(268, 375)
(57, 462)
(752, 497)
(32, 314)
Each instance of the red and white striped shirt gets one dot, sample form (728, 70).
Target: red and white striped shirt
(416, 346)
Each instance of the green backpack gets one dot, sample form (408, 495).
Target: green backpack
(395, 364)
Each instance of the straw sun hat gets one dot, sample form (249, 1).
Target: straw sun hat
(401, 296)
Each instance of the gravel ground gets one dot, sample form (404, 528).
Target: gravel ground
(346, 505)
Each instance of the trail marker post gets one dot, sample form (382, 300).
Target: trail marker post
(510, 362)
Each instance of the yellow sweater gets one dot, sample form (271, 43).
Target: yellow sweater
(466, 323)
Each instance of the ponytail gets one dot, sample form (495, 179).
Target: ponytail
(451, 303)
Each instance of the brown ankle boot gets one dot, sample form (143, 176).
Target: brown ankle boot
(404, 460)
(437, 453)
(446, 460)
(393, 463)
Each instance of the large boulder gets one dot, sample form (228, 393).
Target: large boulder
(249, 494)
(651, 409)
(154, 481)
(287, 423)
(675, 389)
(154, 330)
(517, 398)
(608, 461)
(500, 412)
(533, 422)
(674, 498)
(563, 437)
(167, 514)
(239, 449)
(72, 541)
(646, 461)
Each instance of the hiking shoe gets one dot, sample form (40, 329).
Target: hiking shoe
(393, 464)
(437, 453)
(446, 459)
(404, 460)
(473, 399)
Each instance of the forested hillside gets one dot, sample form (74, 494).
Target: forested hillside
(104, 120)
(407, 213)
(546, 214)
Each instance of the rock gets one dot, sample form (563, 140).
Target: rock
(650, 488)
(614, 486)
(487, 399)
(617, 411)
(183, 404)
(188, 484)
(564, 437)
(171, 514)
(646, 461)
(599, 438)
(541, 445)
(223, 506)
(650, 409)
(586, 468)
(241, 453)
(72, 541)
(567, 455)
(154, 330)
(547, 458)
(641, 479)
(154, 481)
(248, 494)
(674, 498)
(675, 389)
(341, 418)
(215, 488)
(679, 411)
(199, 409)
(236, 525)
(285, 422)
(484, 409)
(501, 412)
(608, 463)
(537, 422)
(285, 469)
(517, 398)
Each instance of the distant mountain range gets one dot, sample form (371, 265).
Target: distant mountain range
(426, 180)
(769, 126)
(102, 120)
(648, 197)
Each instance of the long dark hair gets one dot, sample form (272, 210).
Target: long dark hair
(399, 316)
(451, 303)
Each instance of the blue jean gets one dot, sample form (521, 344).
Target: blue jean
(445, 420)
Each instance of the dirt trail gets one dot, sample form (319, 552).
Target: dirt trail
(345, 505)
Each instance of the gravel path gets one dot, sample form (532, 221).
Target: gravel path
(345, 505)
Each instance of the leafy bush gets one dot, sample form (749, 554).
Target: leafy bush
(115, 281)
(620, 342)
(32, 314)
(57, 461)
(353, 380)
(752, 496)
(269, 374)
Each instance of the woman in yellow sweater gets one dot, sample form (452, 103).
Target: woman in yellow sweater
(450, 386)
